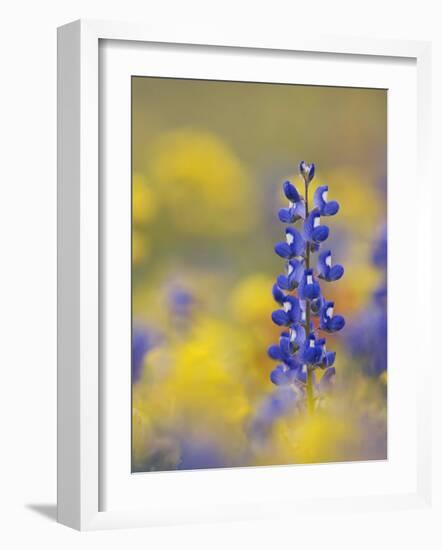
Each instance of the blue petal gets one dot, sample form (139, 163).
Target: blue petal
(283, 282)
(294, 313)
(274, 352)
(300, 335)
(280, 317)
(318, 199)
(298, 245)
(296, 274)
(279, 377)
(286, 215)
(285, 346)
(336, 323)
(283, 250)
(308, 291)
(325, 208)
(315, 234)
(323, 268)
(320, 233)
(316, 305)
(299, 210)
(330, 209)
(291, 192)
(336, 272)
(278, 295)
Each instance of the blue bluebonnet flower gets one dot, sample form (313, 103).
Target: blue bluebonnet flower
(296, 336)
(367, 337)
(300, 350)
(325, 269)
(296, 208)
(294, 245)
(328, 321)
(290, 312)
(295, 270)
(309, 288)
(312, 350)
(313, 230)
(320, 201)
(289, 342)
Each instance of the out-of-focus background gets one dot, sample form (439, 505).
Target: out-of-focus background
(209, 159)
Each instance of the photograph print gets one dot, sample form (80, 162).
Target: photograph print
(259, 274)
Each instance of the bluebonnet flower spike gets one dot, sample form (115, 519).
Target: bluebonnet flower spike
(320, 202)
(325, 269)
(300, 351)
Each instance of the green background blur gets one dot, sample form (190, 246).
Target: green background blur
(209, 159)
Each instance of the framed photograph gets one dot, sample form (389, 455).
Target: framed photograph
(243, 243)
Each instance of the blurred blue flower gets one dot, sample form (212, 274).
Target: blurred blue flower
(380, 250)
(277, 404)
(367, 336)
(181, 301)
(198, 454)
(143, 340)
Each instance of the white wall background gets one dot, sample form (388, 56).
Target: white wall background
(28, 267)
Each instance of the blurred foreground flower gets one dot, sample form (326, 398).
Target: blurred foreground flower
(143, 341)
(367, 341)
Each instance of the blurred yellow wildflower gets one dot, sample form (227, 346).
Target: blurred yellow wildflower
(203, 185)
(140, 247)
(144, 201)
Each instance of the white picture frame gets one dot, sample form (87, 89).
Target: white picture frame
(82, 445)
